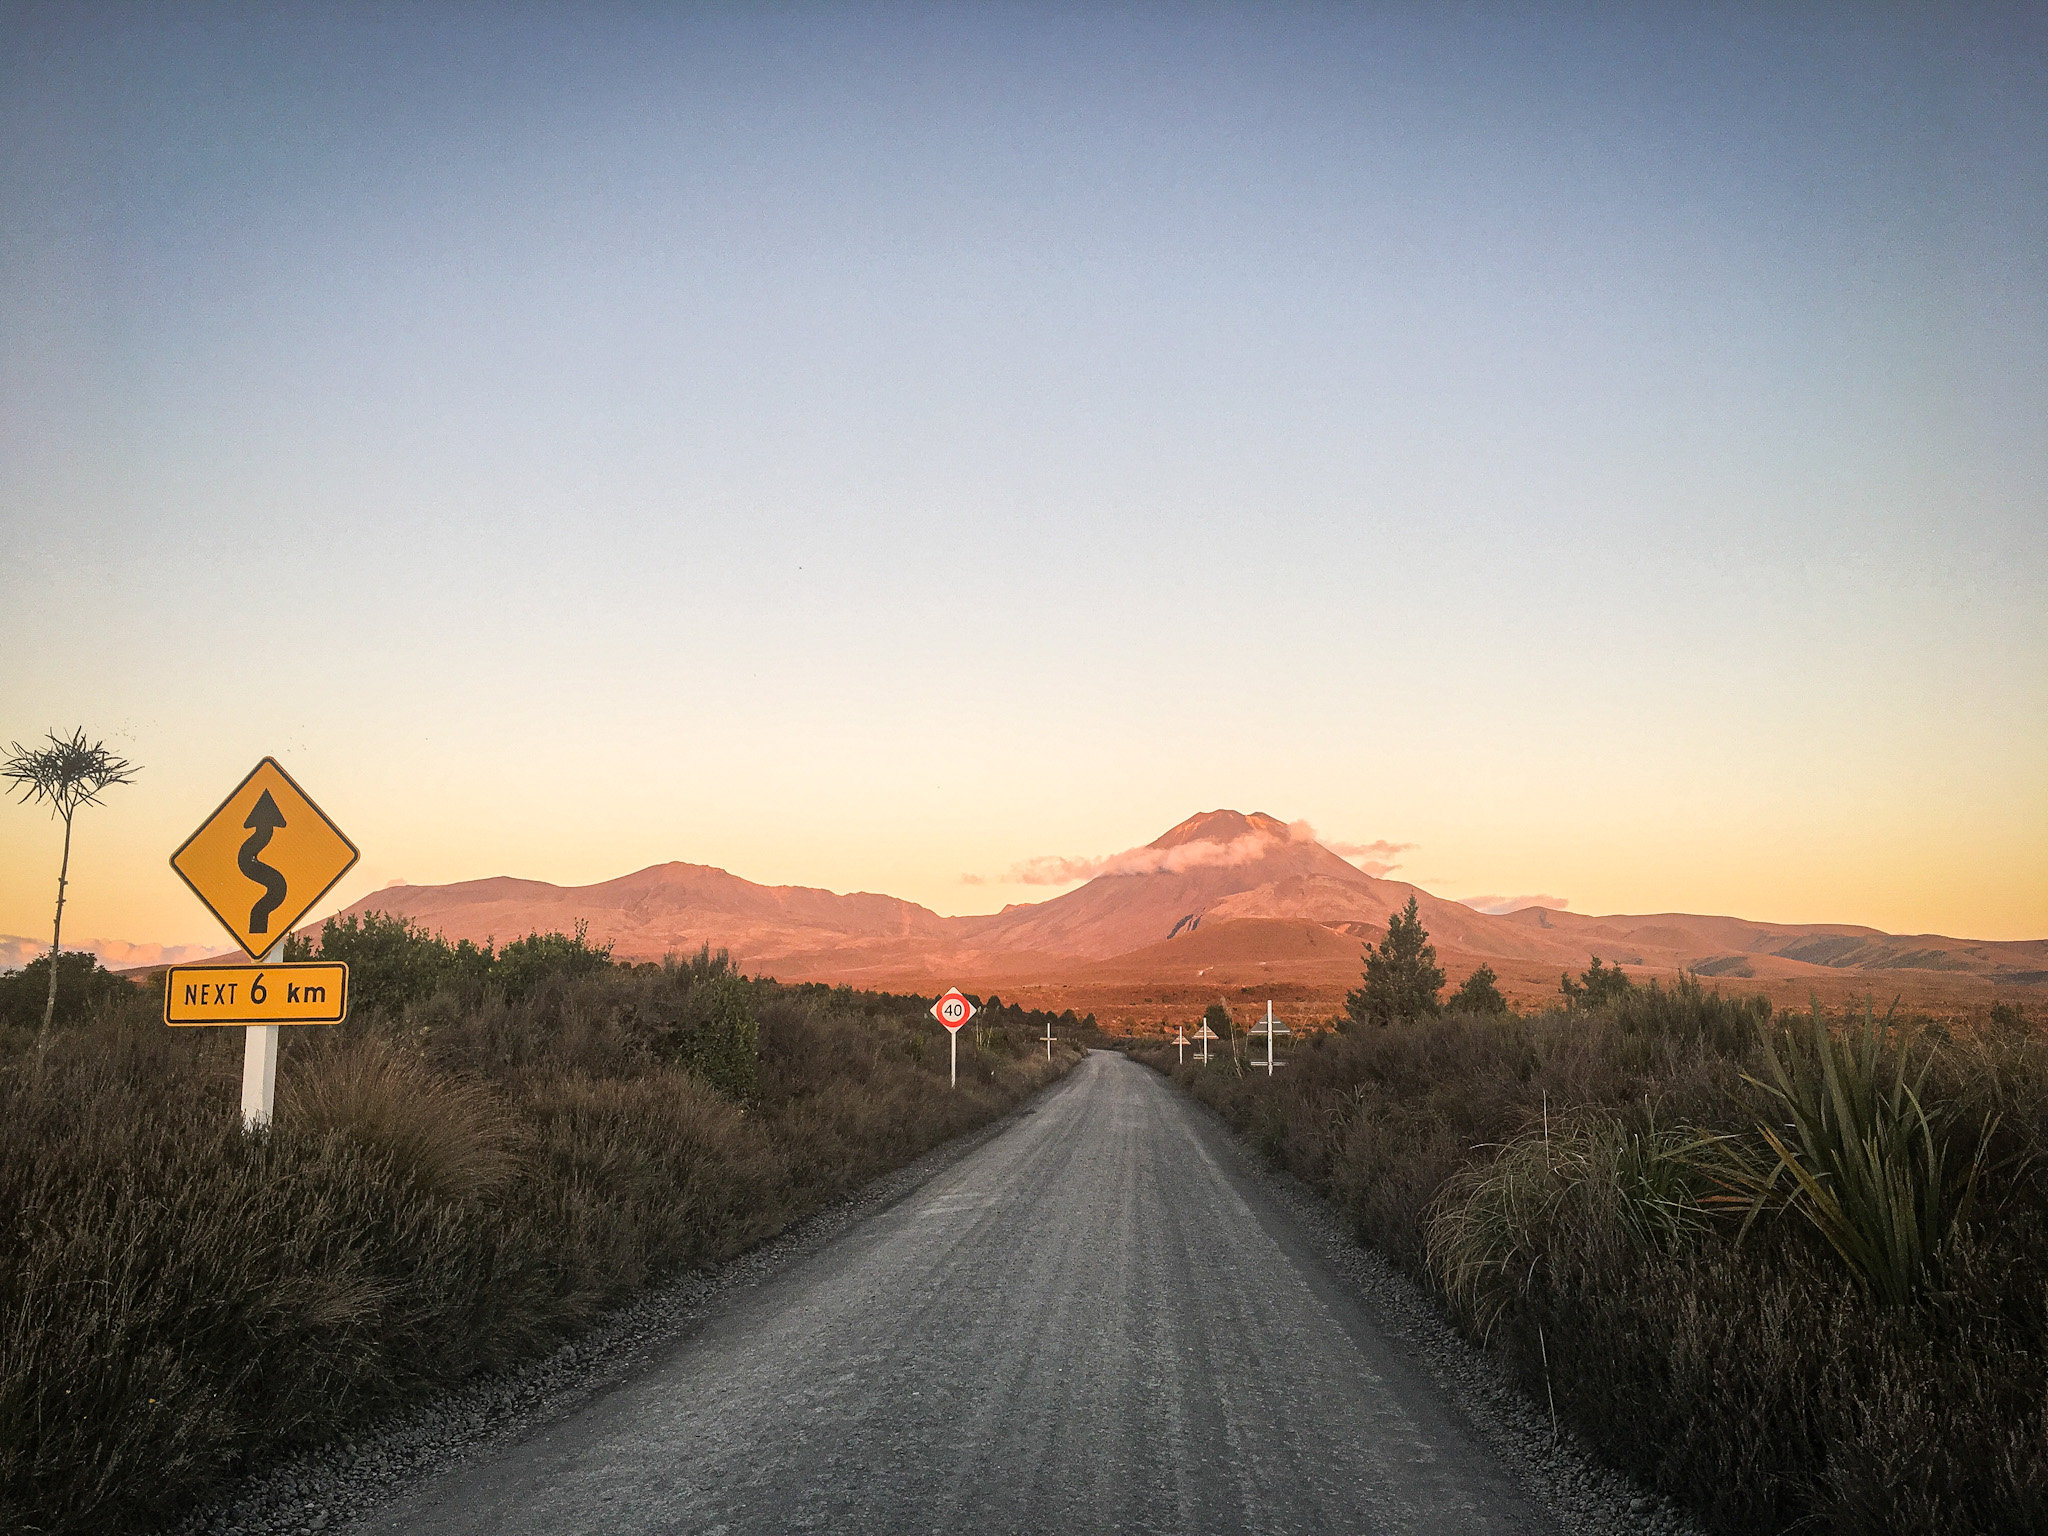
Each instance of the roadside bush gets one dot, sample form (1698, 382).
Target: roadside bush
(1869, 1356)
(463, 1175)
(84, 987)
(392, 961)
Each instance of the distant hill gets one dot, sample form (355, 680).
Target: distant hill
(674, 908)
(1220, 885)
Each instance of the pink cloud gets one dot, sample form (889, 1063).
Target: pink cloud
(1059, 869)
(1500, 906)
(1376, 858)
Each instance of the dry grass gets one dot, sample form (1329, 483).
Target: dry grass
(1769, 1382)
(448, 1188)
(451, 1136)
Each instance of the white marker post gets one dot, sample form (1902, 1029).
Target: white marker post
(1048, 1037)
(1272, 1029)
(1180, 1038)
(259, 1064)
(953, 1010)
(1205, 1034)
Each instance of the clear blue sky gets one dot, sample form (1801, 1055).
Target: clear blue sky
(1606, 448)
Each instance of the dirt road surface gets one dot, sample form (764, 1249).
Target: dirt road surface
(1097, 1321)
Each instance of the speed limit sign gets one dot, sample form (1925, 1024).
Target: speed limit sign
(953, 1009)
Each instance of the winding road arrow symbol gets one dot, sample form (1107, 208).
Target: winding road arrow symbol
(266, 818)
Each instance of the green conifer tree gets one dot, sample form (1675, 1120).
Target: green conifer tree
(1480, 994)
(1402, 978)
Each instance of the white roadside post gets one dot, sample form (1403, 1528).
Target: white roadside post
(1048, 1036)
(259, 1064)
(1180, 1038)
(1205, 1034)
(1272, 1029)
(953, 1010)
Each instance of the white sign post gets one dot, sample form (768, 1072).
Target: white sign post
(1049, 1037)
(259, 1063)
(953, 1010)
(1272, 1029)
(1180, 1038)
(1205, 1034)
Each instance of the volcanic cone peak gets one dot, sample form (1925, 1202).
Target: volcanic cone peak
(1218, 864)
(1226, 827)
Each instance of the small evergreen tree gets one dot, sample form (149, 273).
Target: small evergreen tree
(1402, 978)
(1479, 994)
(1217, 1017)
(1597, 985)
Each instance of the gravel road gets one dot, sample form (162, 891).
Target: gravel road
(1101, 1319)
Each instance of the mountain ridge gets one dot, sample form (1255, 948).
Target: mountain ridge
(1215, 869)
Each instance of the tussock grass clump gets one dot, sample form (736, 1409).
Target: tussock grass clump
(1555, 1198)
(451, 1136)
(464, 1175)
(1796, 1276)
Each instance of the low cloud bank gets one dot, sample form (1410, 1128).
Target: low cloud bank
(115, 954)
(1500, 906)
(1055, 869)
(1374, 858)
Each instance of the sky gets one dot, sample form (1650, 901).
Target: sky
(1603, 451)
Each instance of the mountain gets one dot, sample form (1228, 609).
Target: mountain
(1210, 868)
(1223, 895)
(674, 908)
(1223, 867)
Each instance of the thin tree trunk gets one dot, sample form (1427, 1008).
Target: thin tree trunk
(56, 940)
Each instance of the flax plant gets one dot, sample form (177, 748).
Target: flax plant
(1856, 1154)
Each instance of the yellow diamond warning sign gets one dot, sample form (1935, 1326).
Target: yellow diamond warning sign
(264, 858)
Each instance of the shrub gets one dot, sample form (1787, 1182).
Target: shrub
(450, 1136)
(523, 963)
(723, 1048)
(393, 961)
(454, 1181)
(84, 987)
(1759, 1377)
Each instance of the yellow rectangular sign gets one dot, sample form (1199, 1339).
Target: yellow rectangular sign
(301, 992)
